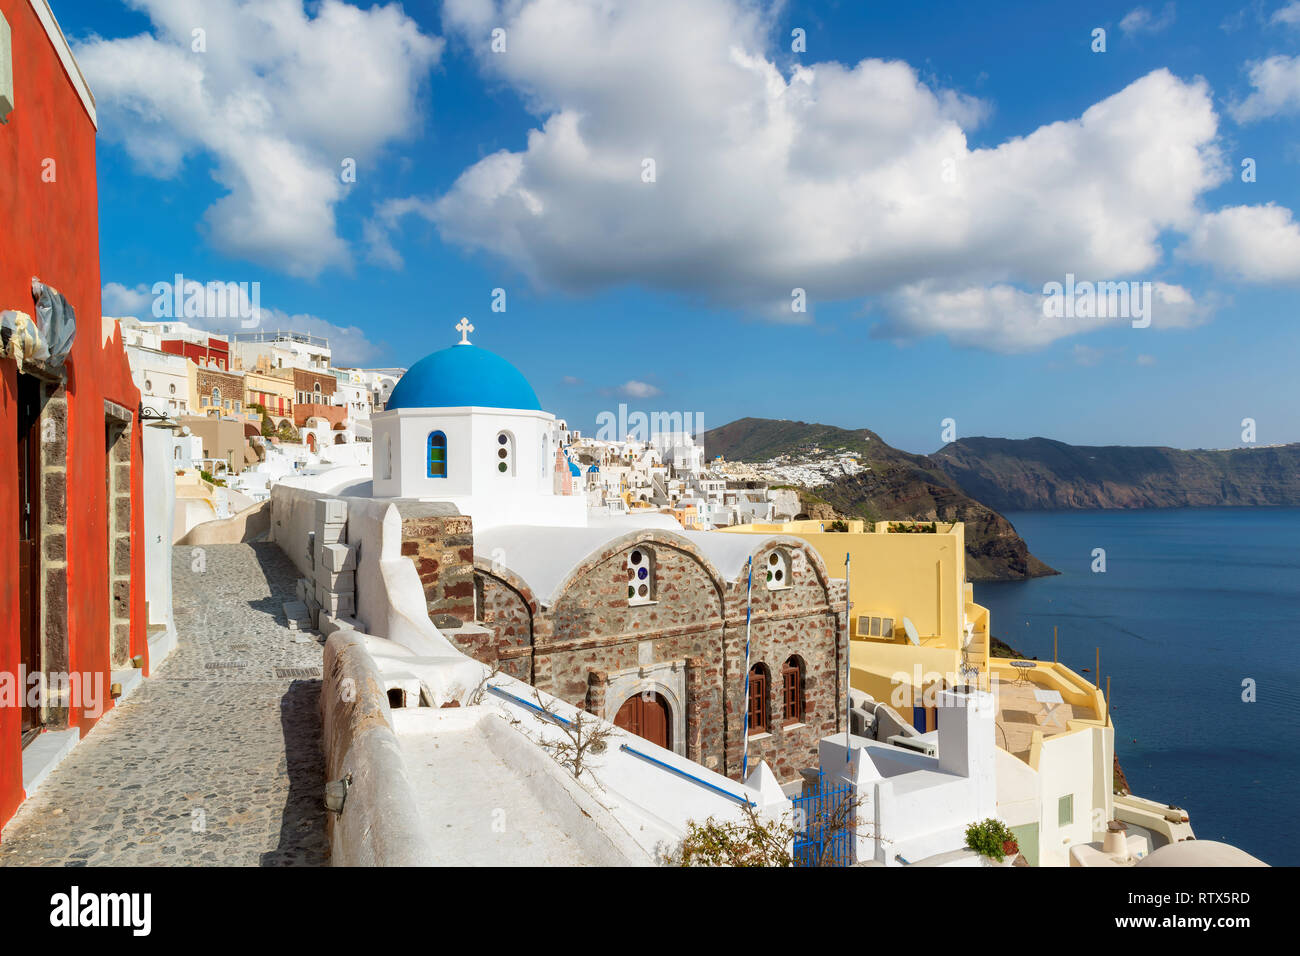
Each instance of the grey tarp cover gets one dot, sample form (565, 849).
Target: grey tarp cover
(57, 320)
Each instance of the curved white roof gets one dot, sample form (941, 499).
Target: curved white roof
(544, 557)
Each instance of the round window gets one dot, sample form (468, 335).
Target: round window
(501, 467)
(148, 385)
(636, 557)
(501, 453)
(502, 439)
(643, 591)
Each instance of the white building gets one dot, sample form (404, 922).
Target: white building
(465, 427)
(353, 394)
(282, 350)
(380, 382)
(679, 450)
(163, 378)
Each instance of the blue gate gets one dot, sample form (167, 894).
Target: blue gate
(824, 821)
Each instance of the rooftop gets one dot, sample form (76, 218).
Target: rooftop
(463, 376)
(1020, 714)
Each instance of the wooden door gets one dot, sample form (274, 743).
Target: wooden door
(646, 715)
(29, 543)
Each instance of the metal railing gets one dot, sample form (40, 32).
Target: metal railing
(280, 336)
(743, 801)
(685, 775)
(540, 711)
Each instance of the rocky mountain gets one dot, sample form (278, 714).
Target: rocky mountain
(893, 485)
(1041, 474)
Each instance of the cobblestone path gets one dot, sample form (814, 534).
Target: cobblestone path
(216, 759)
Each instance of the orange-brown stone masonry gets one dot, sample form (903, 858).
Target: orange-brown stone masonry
(588, 633)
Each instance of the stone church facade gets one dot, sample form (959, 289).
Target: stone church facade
(669, 665)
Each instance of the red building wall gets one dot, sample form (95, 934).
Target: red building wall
(216, 350)
(50, 230)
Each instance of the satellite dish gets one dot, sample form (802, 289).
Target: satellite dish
(910, 628)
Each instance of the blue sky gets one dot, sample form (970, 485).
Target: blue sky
(821, 169)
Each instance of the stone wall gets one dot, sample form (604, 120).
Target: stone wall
(118, 450)
(206, 379)
(592, 648)
(506, 608)
(440, 542)
(54, 544)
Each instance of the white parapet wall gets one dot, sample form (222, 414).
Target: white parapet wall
(446, 776)
(379, 823)
(914, 807)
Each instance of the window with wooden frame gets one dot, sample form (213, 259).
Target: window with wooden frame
(792, 690)
(758, 691)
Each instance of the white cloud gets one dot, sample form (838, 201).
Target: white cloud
(1002, 318)
(1254, 243)
(117, 300)
(348, 343)
(635, 389)
(1289, 14)
(1276, 90)
(386, 220)
(1088, 357)
(277, 101)
(833, 178)
(571, 380)
(1142, 20)
(1146, 360)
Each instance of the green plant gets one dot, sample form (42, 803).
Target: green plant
(991, 838)
(838, 525)
(211, 478)
(754, 842)
(898, 527)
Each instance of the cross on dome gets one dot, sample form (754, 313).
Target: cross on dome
(464, 328)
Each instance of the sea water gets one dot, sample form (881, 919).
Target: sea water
(1197, 614)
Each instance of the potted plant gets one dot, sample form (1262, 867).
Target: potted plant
(992, 838)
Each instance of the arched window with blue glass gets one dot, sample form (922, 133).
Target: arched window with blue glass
(437, 455)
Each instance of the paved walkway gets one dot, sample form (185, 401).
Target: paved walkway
(216, 759)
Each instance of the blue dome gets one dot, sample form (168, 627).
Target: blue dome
(463, 375)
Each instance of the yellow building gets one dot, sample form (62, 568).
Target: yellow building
(915, 630)
(273, 392)
(915, 626)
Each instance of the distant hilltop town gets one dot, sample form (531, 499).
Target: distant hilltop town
(255, 407)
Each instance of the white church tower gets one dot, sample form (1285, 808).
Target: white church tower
(464, 426)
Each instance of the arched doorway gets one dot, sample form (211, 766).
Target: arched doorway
(646, 715)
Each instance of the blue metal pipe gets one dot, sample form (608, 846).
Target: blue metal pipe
(743, 801)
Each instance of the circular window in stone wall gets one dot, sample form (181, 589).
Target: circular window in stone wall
(640, 576)
(778, 570)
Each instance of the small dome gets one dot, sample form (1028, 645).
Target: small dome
(463, 375)
(1199, 853)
